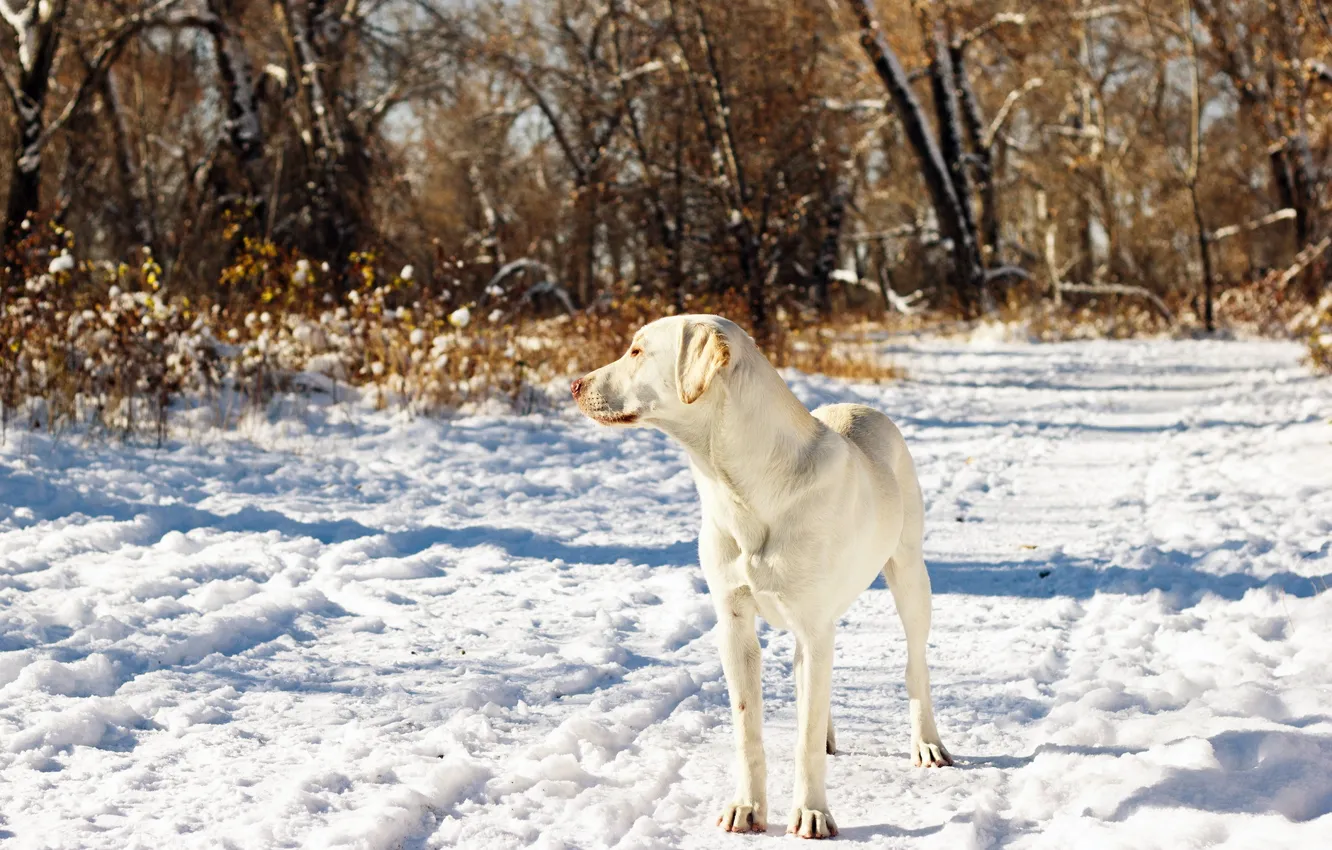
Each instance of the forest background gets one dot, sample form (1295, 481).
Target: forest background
(455, 200)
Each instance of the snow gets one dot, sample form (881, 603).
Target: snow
(346, 628)
(62, 263)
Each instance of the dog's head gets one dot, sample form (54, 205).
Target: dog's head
(669, 367)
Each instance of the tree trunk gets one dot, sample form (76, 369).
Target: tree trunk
(127, 169)
(826, 262)
(943, 84)
(587, 278)
(681, 217)
(968, 270)
(25, 175)
(1205, 255)
(243, 128)
(41, 40)
(754, 280)
(974, 122)
(336, 228)
(1308, 182)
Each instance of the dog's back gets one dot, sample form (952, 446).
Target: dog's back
(882, 444)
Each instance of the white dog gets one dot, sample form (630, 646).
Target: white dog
(800, 512)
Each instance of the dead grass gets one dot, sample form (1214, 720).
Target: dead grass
(1318, 328)
(108, 347)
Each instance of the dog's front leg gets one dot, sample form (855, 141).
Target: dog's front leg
(742, 662)
(810, 817)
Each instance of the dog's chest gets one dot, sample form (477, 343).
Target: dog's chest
(736, 520)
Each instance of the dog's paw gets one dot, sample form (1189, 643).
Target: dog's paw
(743, 817)
(930, 754)
(811, 823)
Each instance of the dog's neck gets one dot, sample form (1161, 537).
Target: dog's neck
(748, 429)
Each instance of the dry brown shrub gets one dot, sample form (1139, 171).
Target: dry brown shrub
(1319, 329)
(107, 346)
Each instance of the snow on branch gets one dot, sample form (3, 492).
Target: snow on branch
(907, 305)
(642, 70)
(16, 19)
(1014, 18)
(832, 104)
(545, 286)
(1102, 12)
(1009, 102)
(1235, 229)
(1302, 259)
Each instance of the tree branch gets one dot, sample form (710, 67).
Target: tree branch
(1302, 259)
(646, 68)
(1005, 272)
(1009, 102)
(891, 233)
(15, 19)
(118, 34)
(1014, 18)
(1107, 11)
(187, 19)
(1115, 9)
(832, 104)
(1120, 289)
(556, 128)
(1235, 229)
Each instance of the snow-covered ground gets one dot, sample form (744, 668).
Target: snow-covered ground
(348, 628)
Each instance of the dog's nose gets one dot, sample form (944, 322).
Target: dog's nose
(576, 387)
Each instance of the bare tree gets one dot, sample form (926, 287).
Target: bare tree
(941, 158)
(688, 154)
(37, 30)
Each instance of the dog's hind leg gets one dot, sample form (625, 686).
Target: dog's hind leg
(910, 584)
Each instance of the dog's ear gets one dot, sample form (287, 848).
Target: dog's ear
(703, 353)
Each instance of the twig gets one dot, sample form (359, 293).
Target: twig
(1014, 18)
(1007, 271)
(890, 233)
(1234, 229)
(1009, 102)
(864, 105)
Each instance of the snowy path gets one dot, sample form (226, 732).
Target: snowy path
(490, 633)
